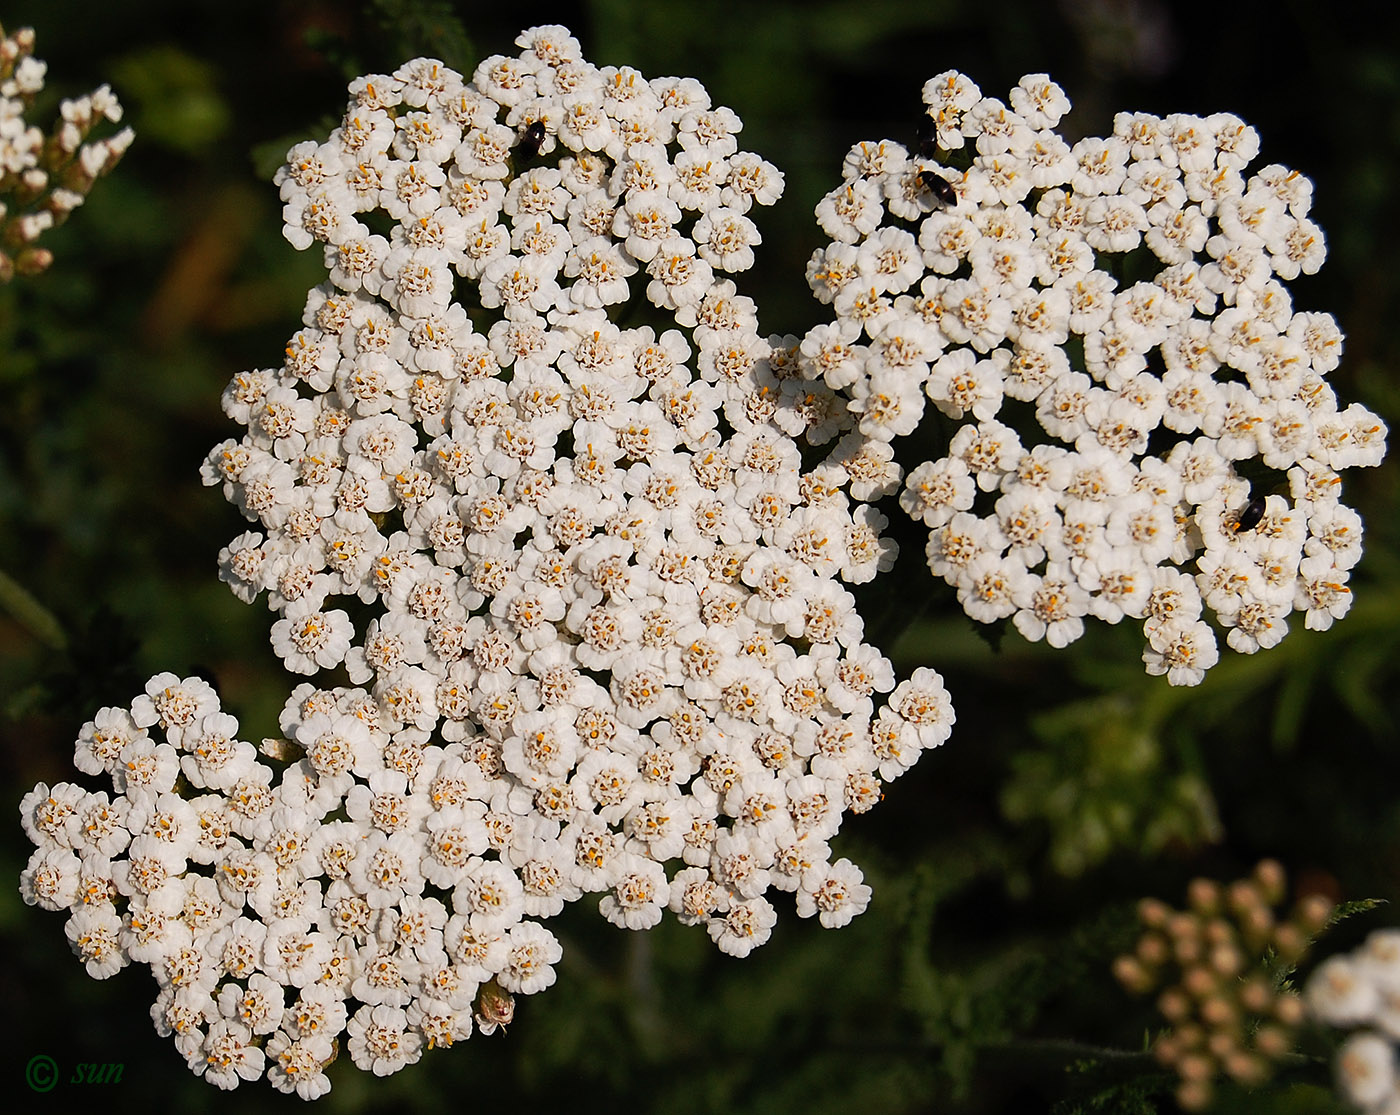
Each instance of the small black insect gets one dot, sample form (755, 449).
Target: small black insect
(939, 186)
(927, 135)
(1250, 517)
(531, 139)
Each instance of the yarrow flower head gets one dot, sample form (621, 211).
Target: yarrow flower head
(604, 646)
(1143, 428)
(45, 176)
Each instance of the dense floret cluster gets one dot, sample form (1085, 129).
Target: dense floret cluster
(1129, 419)
(566, 538)
(45, 176)
(593, 621)
(1222, 967)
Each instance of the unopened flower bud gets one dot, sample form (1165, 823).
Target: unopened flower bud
(68, 137)
(1199, 981)
(1223, 1044)
(1132, 975)
(1219, 1012)
(1272, 1041)
(1186, 939)
(1174, 1004)
(1288, 1008)
(1152, 950)
(1313, 912)
(1219, 932)
(1256, 925)
(1196, 1066)
(1272, 880)
(1204, 896)
(1246, 1068)
(118, 145)
(1153, 913)
(1187, 950)
(62, 202)
(33, 261)
(92, 160)
(1181, 924)
(1226, 960)
(1256, 995)
(1243, 896)
(31, 226)
(1194, 1095)
(1290, 942)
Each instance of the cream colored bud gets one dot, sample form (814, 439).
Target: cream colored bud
(1272, 1041)
(1196, 1066)
(1152, 950)
(32, 225)
(1132, 975)
(1243, 896)
(1219, 1012)
(1222, 1044)
(1290, 942)
(1219, 931)
(1153, 913)
(1199, 981)
(1226, 960)
(1312, 913)
(1256, 995)
(1174, 1004)
(1272, 880)
(1183, 925)
(1194, 1095)
(32, 261)
(1204, 896)
(1288, 1008)
(1246, 1068)
(1257, 927)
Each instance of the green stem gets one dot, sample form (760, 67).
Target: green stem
(38, 620)
(1068, 1047)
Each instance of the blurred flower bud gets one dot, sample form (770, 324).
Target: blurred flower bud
(1194, 1095)
(1153, 913)
(1246, 1068)
(1272, 881)
(1132, 975)
(1203, 895)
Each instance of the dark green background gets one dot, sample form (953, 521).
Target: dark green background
(1006, 865)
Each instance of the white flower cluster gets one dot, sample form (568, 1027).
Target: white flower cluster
(260, 924)
(43, 177)
(602, 644)
(1125, 387)
(1362, 989)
